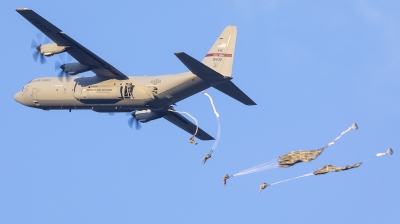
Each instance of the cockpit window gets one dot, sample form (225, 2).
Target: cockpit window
(24, 89)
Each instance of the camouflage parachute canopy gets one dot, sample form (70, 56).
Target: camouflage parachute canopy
(330, 168)
(294, 157)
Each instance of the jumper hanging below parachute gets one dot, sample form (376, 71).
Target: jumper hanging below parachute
(204, 160)
(226, 177)
(262, 187)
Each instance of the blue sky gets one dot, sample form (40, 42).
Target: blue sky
(313, 68)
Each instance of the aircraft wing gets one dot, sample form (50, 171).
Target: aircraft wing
(80, 53)
(185, 124)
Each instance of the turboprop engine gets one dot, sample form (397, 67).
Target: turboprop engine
(74, 68)
(146, 115)
(51, 49)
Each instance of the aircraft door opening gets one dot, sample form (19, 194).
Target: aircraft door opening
(128, 89)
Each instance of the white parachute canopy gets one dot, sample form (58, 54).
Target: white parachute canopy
(388, 152)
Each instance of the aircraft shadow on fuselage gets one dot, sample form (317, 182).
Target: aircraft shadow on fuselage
(87, 81)
(100, 101)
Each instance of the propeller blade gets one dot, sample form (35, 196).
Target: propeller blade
(42, 59)
(39, 36)
(35, 55)
(34, 44)
(130, 122)
(138, 126)
(57, 66)
(61, 74)
(134, 120)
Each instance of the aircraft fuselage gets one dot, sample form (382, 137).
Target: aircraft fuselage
(109, 95)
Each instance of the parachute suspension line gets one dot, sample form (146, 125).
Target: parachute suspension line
(305, 175)
(219, 124)
(352, 127)
(265, 166)
(191, 139)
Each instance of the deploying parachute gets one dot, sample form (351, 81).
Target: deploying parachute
(191, 139)
(208, 155)
(294, 157)
(388, 152)
(327, 169)
(323, 170)
(298, 156)
(330, 168)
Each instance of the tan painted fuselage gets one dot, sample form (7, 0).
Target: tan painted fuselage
(109, 95)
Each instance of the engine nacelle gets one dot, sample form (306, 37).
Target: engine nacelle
(51, 49)
(74, 68)
(146, 115)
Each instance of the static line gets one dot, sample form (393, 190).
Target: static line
(195, 120)
(219, 124)
(306, 175)
(212, 103)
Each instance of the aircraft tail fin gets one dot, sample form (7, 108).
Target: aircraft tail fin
(216, 67)
(220, 56)
(214, 79)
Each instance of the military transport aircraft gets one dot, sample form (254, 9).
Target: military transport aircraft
(146, 97)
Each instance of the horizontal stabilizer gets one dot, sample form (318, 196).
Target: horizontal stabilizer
(207, 74)
(233, 91)
(186, 125)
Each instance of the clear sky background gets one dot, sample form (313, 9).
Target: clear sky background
(313, 68)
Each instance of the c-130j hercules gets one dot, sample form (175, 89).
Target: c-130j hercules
(147, 97)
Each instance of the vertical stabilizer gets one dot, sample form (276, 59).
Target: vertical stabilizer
(220, 56)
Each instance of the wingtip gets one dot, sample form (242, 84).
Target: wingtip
(249, 102)
(22, 9)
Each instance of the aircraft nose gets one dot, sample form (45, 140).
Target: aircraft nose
(19, 98)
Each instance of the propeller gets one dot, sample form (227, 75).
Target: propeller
(60, 66)
(37, 44)
(133, 120)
